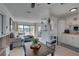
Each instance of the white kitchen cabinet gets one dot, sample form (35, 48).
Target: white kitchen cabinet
(69, 40)
(65, 39)
(75, 41)
(72, 40)
(60, 38)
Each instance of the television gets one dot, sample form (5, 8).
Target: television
(75, 28)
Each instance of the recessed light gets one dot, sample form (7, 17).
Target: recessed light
(73, 9)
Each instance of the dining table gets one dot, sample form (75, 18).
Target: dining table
(43, 51)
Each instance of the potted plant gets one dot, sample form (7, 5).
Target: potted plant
(35, 40)
(35, 45)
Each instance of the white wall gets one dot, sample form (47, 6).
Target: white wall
(54, 23)
(70, 20)
(61, 28)
(6, 31)
(5, 12)
(63, 23)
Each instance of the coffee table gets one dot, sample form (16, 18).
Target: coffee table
(43, 51)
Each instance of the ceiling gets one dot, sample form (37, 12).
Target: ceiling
(24, 12)
(63, 10)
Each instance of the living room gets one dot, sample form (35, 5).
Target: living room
(39, 29)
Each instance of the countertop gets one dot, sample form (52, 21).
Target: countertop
(72, 33)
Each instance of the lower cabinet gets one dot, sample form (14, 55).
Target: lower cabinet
(60, 38)
(72, 40)
(75, 41)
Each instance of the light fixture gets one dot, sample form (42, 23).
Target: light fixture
(73, 9)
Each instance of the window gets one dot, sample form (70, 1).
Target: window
(31, 30)
(20, 28)
(39, 31)
(26, 29)
(39, 28)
